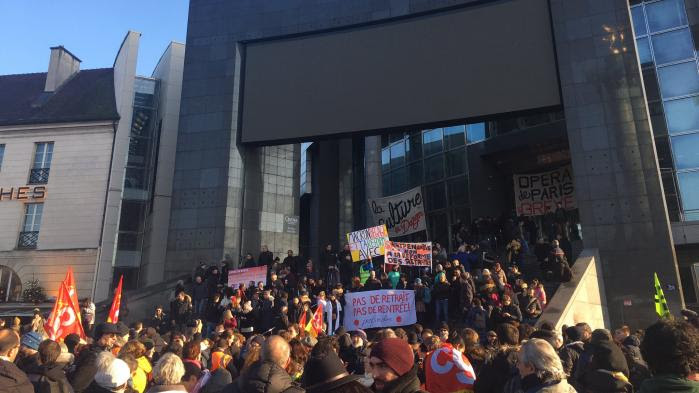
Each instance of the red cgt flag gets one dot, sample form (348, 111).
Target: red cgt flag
(448, 371)
(64, 318)
(72, 289)
(113, 316)
(315, 325)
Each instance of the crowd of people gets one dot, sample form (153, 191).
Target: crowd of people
(212, 338)
(663, 358)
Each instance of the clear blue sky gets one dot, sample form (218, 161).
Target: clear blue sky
(91, 29)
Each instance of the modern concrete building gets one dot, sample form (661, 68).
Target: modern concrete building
(453, 95)
(86, 167)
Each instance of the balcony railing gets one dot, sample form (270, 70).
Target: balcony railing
(28, 240)
(39, 175)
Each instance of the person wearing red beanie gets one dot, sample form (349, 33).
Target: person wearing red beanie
(392, 366)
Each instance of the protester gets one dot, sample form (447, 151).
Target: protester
(268, 374)
(167, 375)
(49, 376)
(12, 379)
(671, 349)
(86, 363)
(392, 366)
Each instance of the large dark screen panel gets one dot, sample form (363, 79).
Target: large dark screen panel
(470, 62)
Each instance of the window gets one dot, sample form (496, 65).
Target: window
(458, 191)
(397, 154)
(398, 180)
(682, 115)
(672, 46)
(432, 141)
(385, 159)
(29, 235)
(434, 168)
(686, 149)
(666, 14)
(455, 136)
(679, 79)
(657, 118)
(662, 147)
(43, 153)
(456, 162)
(689, 183)
(476, 132)
(413, 147)
(2, 154)
(639, 22)
(435, 197)
(644, 55)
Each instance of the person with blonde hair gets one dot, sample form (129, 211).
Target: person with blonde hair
(167, 375)
(540, 368)
(138, 351)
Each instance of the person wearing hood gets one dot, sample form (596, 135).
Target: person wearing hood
(392, 366)
(571, 351)
(48, 376)
(671, 349)
(602, 367)
(638, 368)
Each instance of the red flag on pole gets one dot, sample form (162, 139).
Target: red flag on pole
(113, 316)
(72, 290)
(302, 319)
(64, 317)
(315, 325)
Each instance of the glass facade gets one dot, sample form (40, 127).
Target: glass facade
(669, 66)
(139, 173)
(435, 159)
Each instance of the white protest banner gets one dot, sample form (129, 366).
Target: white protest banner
(367, 243)
(538, 193)
(244, 276)
(403, 213)
(408, 254)
(382, 308)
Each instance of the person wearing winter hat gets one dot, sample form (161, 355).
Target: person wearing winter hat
(28, 356)
(327, 373)
(392, 365)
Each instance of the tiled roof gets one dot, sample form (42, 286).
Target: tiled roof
(87, 96)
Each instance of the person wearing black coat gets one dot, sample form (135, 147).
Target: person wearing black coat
(200, 293)
(49, 378)
(502, 366)
(327, 258)
(266, 258)
(85, 364)
(598, 364)
(571, 351)
(507, 313)
(12, 379)
(267, 374)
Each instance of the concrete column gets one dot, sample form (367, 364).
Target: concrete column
(372, 172)
(618, 187)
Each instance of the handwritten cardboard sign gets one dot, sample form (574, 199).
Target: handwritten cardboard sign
(408, 254)
(367, 243)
